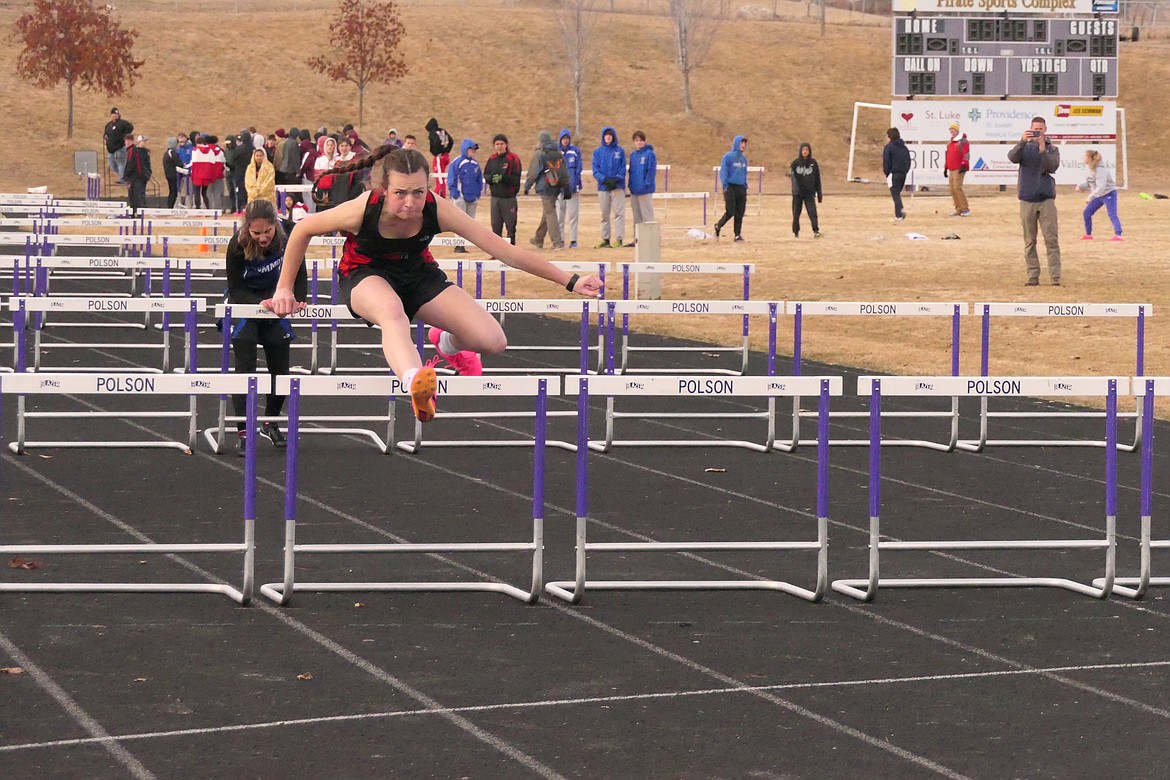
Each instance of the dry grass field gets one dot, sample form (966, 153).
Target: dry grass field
(778, 82)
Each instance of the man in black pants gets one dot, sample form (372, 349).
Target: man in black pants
(895, 166)
(733, 177)
(806, 189)
(502, 173)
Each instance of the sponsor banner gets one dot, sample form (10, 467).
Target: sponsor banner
(1050, 7)
(1004, 120)
(990, 164)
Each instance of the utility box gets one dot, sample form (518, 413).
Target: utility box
(648, 250)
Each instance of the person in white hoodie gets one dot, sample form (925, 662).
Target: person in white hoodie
(1102, 189)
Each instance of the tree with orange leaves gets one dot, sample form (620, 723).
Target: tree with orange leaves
(75, 42)
(364, 37)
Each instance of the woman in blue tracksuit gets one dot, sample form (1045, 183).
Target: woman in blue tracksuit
(733, 177)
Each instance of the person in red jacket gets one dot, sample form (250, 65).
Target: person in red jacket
(502, 173)
(207, 165)
(958, 162)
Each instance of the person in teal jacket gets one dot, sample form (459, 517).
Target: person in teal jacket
(609, 168)
(733, 177)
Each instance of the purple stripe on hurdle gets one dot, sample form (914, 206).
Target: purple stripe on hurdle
(1111, 450)
(539, 453)
(1148, 449)
(584, 340)
(797, 338)
(583, 448)
(985, 338)
(875, 448)
(1141, 341)
(190, 324)
(955, 341)
(250, 453)
(823, 451)
(747, 294)
(773, 310)
(291, 460)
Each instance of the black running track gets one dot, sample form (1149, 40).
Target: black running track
(981, 683)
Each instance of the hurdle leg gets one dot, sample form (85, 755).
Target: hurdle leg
(282, 594)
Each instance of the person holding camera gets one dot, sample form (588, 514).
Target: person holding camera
(609, 169)
(1036, 187)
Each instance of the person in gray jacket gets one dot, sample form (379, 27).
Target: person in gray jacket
(1036, 186)
(549, 175)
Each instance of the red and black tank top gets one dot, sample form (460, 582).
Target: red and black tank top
(370, 246)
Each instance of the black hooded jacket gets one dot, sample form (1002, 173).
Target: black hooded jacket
(806, 174)
(441, 141)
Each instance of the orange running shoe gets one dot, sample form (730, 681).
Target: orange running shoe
(423, 388)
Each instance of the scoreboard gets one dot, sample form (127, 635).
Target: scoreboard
(964, 56)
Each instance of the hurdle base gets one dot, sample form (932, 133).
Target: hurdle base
(866, 590)
(147, 587)
(19, 448)
(1132, 587)
(414, 447)
(276, 590)
(566, 589)
(212, 436)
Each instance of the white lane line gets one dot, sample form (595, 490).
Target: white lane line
(380, 674)
(75, 711)
(585, 700)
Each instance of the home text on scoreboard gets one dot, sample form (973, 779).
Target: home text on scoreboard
(956, 56)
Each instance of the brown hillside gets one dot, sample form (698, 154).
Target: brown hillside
(777, 82)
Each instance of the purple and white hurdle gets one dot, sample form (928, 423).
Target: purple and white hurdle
(123, 385)
(865, 589)
(297, 388)
(681, 386)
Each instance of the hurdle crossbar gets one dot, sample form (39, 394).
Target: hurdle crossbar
(871, 309)
(630, 271)
(769, 308)
(23, 306)
(536, 388)
(574, 591)
(137, 384)
(1018, 387)
(121, 384)
(494, 387)
(723, 388)
(1136, 311)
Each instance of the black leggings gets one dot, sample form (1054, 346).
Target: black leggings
(201, 197)
(734, 205)
(277, 356)
(809, 201)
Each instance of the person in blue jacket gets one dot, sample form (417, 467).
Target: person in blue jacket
(569, 210)
(609, 169)
(643, 171)
(465, 181)
(733, 177)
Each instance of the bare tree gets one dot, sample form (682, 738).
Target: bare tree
(696, 23)
(577, 20)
